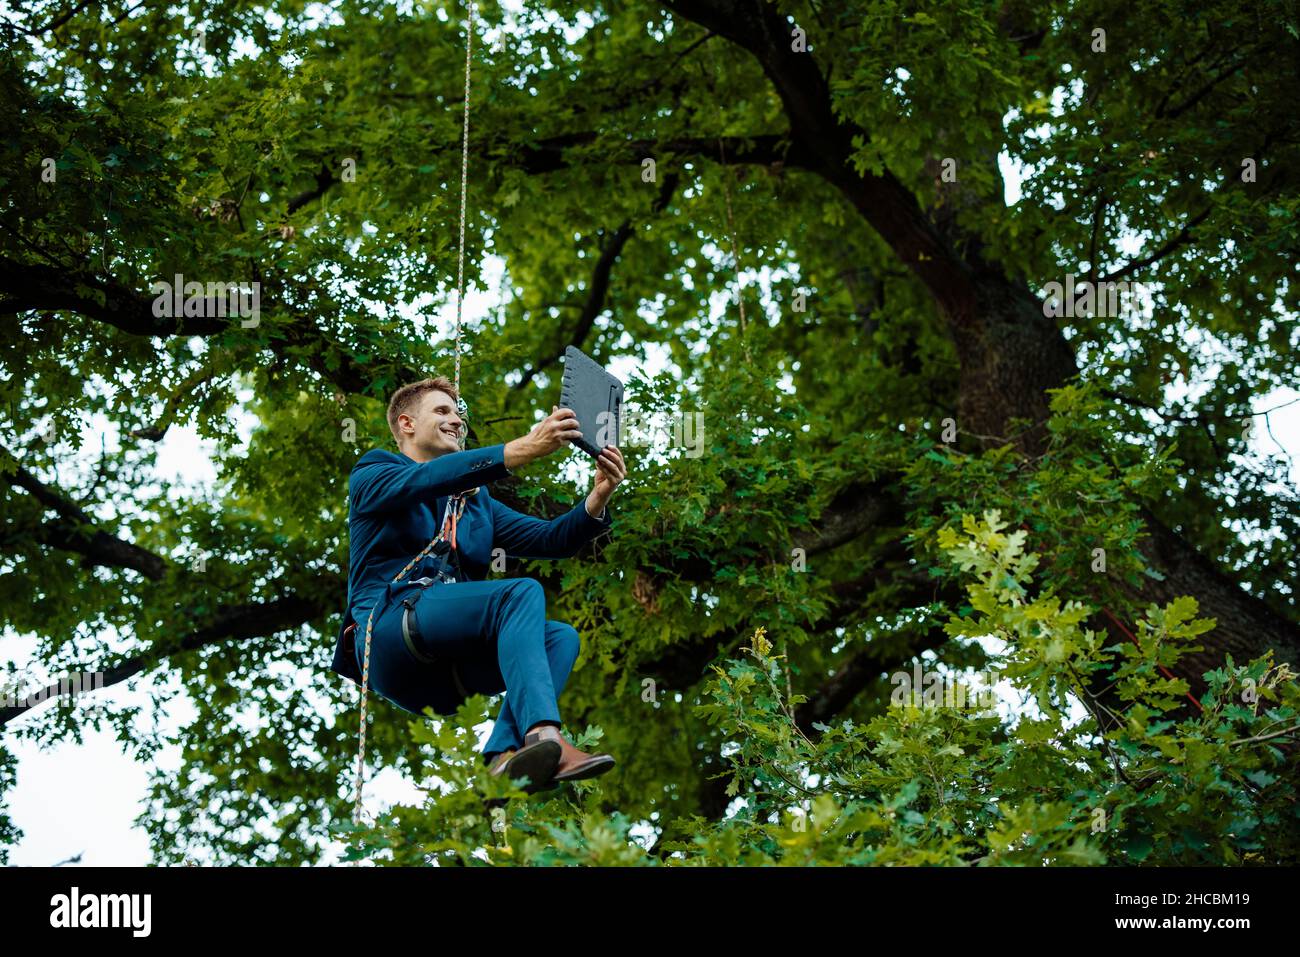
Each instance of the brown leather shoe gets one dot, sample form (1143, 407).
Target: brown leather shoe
(574, 765)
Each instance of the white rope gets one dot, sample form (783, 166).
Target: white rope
(461, 408)
(731, 222)
(365, 681)
(464, 175)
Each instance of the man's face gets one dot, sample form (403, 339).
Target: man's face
(435, 423)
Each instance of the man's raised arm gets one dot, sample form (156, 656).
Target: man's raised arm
(524, 536)
(392, 483)
(388, 484)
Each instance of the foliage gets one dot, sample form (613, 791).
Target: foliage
(228, 155)
(932, 785)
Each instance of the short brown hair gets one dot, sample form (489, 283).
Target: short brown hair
(408, 396)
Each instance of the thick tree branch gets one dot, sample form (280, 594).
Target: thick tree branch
(75, 531)
(594, 305)
(58, 21)
(598, 287)
(548, 155)
(1183, 236)
(230, 623)
(865, 667)
(31, 285)
(824, 144)
(324, 180)
(1179, 239)
(184, 391)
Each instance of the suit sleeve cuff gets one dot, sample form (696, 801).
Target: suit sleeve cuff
(597, 524)
(490, 464)
(493, 460)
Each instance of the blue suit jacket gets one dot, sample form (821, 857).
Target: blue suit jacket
(395, 505)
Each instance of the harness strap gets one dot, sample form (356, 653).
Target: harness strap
(419, 655)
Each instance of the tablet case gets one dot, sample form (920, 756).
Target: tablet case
(596, 397)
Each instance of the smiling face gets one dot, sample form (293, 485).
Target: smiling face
(432, 429)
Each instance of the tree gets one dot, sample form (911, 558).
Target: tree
(905, 369)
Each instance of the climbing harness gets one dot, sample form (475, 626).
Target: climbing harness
(444, 543)
(444, 546)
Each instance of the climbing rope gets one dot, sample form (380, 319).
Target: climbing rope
(464, 175)
(731, 222)
(447, 532)
(735, 250)
(455, 503)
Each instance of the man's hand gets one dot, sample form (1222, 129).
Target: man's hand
(557, 429)
(610, 470)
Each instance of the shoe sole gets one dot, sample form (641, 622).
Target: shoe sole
(537, 762)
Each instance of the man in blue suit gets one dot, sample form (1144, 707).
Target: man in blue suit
(435, 642)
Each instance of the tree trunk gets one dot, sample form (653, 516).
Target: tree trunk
(1010, 354)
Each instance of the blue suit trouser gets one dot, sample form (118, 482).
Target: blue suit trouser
(497, 636)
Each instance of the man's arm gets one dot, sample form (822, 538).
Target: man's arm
(524, 536)
(386, 485)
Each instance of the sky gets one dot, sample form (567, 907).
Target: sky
(77, 803)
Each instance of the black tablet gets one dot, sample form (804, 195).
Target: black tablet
(596, 397)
